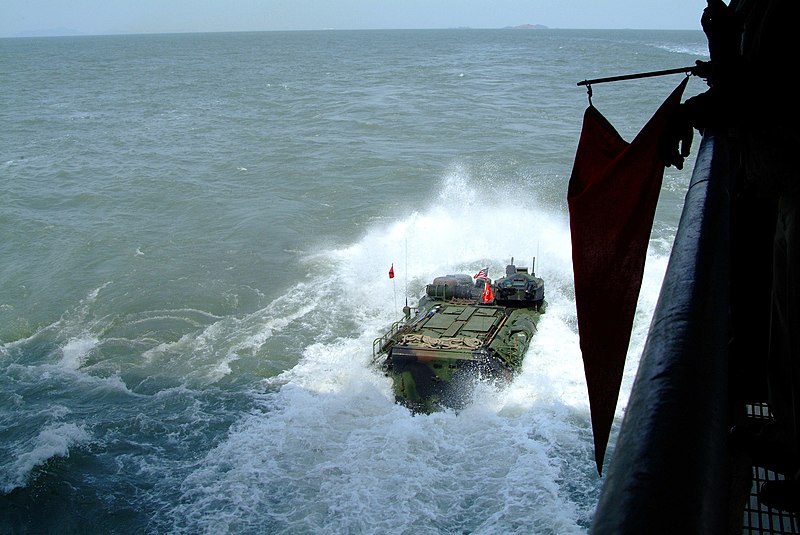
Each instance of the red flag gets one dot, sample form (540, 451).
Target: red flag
(612, 199)
(391, 272)
(487, 294)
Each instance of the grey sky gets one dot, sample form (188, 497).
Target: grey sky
(47, 17)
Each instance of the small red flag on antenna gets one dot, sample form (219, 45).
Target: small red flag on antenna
(391, 272)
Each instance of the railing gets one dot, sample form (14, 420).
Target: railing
(379, 344)
(669, 470)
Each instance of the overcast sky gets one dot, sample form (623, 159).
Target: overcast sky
(90, 17)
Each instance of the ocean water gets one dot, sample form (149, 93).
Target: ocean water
(196, 234)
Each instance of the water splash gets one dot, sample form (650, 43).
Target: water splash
(329, 450)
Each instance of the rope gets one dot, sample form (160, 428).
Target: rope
(440, 343)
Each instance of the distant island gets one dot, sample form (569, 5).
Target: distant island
(527, 27)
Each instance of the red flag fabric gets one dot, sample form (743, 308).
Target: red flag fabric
(612, 197)
(487, 294)
(391, 272)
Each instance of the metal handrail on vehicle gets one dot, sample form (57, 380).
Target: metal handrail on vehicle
(379, 343)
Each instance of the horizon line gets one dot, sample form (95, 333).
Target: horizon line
(67, 32)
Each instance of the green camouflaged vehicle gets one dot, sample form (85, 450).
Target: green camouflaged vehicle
(466, 328)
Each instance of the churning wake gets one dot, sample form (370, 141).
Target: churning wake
(326, 449)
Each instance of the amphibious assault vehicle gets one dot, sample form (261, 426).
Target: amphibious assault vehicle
(466, 328)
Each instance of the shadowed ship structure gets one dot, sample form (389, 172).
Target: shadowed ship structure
(466, 328)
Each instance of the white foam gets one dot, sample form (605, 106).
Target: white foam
(698, 50)
(75, 352)
(333, 452)
(52, 441)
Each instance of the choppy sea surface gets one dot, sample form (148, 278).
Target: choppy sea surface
(196, 234)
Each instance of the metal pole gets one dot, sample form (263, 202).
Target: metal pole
(687, 70)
